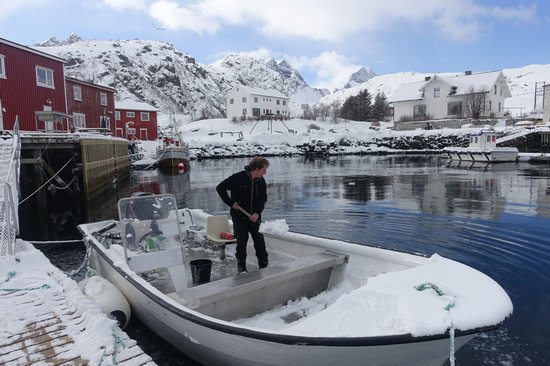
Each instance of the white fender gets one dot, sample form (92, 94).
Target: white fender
(108, 298)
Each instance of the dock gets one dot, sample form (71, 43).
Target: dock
(47, 320)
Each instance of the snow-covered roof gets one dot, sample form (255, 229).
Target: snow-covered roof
(463, 83)
(409, 91)
(130, 105)
(259, 91)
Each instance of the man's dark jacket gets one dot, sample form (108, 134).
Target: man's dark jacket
(250, 194)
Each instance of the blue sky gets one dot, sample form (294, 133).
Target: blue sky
(325, 40)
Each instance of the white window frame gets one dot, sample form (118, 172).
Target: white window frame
(117, 115)
(144, 116)
(47, 81)
(79, 120)
(77, 91)
(130, 114)
(437, 92)
(2, 67)
(103, 98)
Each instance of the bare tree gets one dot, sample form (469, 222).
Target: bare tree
(335, 108)
(475, 103)
(323, 111)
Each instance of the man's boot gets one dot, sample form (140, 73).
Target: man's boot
(241, 265)
(262, 263)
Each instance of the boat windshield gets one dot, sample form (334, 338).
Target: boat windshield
(149, 223)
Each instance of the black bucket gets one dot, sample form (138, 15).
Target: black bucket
(200, 270)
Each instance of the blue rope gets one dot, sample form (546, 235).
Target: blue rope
(115, 352)
(450, 305)
(11, 275)
(43, 287)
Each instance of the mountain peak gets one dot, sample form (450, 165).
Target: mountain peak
(360, 76)
(53, 41)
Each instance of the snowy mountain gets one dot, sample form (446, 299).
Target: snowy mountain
(173, 81)
(359, 77)
(161, 75)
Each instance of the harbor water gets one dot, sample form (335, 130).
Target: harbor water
(495, 218)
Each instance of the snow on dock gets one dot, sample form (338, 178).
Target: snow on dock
(47, 320)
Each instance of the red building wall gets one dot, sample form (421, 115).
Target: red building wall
(90, 103)
(145, 130)
(19, 92)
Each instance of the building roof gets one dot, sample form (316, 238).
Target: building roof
(259, 91)
(463, 84)
(108, 88)
(130, 105)
(32, 50)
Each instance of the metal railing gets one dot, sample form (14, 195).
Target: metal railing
(9, 213)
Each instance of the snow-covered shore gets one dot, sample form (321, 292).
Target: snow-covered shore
(219, 138)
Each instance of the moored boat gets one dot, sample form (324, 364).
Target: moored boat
(172, 152)
(320, 301)
(482, 148)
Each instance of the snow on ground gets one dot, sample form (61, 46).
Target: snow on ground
(224, 138)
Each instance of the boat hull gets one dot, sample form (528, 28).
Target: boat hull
(214, 342)
(489, 156)
(172, 157)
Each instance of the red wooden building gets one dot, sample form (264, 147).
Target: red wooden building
(136, 120)
(32, 88)
(90, 105)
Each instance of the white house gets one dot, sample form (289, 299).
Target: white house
(244, 102)
(441, 97)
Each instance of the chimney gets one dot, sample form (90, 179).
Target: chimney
(427, 78)
(468, 72)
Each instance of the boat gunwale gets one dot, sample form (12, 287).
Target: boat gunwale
(287, 339)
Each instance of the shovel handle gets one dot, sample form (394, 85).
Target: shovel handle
(245, 212)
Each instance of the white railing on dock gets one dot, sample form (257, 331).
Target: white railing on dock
(10, 150)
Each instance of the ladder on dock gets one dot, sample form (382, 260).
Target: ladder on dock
(10, 151)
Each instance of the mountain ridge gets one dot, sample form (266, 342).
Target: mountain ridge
(158, 73)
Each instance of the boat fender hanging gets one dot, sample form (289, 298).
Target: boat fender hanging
(108, 298)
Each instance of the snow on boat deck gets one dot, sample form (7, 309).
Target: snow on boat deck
(47, 320)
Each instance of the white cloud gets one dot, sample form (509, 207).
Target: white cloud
(332, 21)
(126, 4)
(331, 69)
(10, 8)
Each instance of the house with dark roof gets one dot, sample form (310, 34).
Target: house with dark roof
(455, 97)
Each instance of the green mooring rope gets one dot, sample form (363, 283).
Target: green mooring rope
(117, 341)
(450, 305)
(11, 275)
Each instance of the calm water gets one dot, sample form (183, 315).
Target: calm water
(493, 218)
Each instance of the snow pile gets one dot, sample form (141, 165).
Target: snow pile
(274, 227)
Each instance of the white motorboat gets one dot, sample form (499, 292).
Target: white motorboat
(482, 148)
(319, 302)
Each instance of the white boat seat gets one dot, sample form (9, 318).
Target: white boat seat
(215, 225)
(258, 291)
